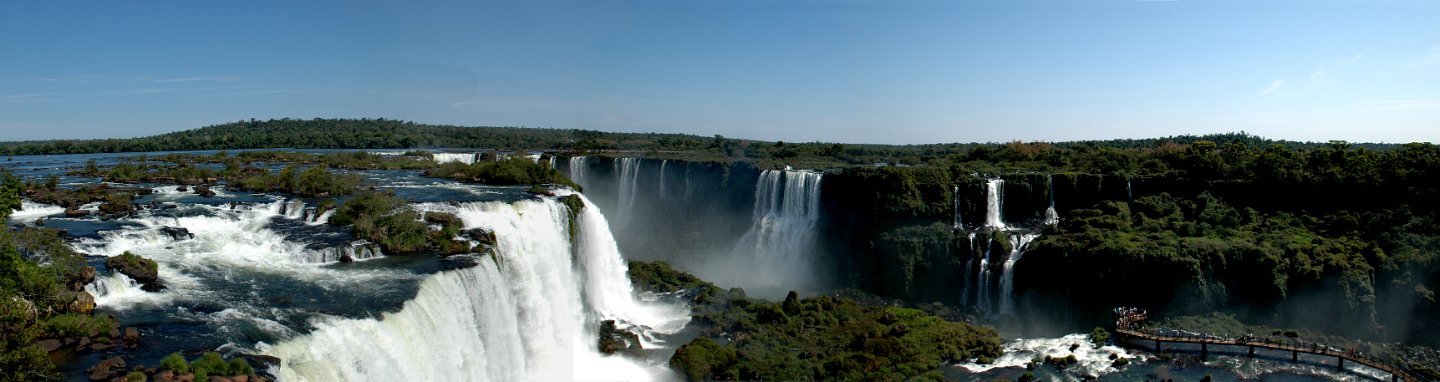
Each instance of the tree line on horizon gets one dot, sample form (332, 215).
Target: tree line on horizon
(381, 133)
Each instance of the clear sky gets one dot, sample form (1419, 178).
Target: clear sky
(841, 71)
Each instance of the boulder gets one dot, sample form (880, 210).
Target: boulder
(181, 188)
(177, 233)
(142, 270)
(76, 213)
(50, 345)
(106, 369)
(83, 303)
(480, 235)
(131, 335)
(164, 376)
(85, 276)
(203, 190)
(613, 339)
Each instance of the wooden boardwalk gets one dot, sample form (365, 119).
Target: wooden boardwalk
(1122, 327)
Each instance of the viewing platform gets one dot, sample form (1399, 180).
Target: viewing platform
(1127, 318)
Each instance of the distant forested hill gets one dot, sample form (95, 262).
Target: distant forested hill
(392, 134)
(355, 134)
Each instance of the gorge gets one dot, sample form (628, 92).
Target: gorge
(1040, 256)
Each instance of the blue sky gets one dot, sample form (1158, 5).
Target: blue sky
(842, 71)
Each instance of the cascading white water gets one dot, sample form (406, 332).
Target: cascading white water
(662, 177)
(466, 158)
(956, 222)
(529, 312)
(994, 188)
(220, 232)
(775, 254)
(29, 211)
(294, 209)
(1018, 245)
(627, 175)
(1051, 217)
(578, 166)
(552, 161)
(110, 290)
(982, 298)
(965, 279)
(1091, 361)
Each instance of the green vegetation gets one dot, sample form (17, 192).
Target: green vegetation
(385, 219)
(315, 181)
(1281, 233)
(1099, 336)
(209, 363)
(175, 362)
(36, 271)
(820, 338)
(513, 171)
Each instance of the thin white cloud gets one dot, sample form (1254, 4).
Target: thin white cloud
(198, 79)
(1268, 90)
(1400, 105)
(19, 98)
(1354, 60)
(68, 79)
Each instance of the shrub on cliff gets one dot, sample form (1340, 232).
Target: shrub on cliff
(33, 300)
(386, 220)
(315, 181)
(703, 359)
(821, 338)
(513, 171)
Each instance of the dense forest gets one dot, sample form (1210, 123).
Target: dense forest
(393, 134)
(1335, 237)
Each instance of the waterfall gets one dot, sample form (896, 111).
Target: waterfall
(1018, 245)
(662, 177)
(1051, 217)
(529, 312)
(1129, 194)
(958, 223)
(994, 188)
(29, 211)
(775, 254)
(552, 161)
(965, 278)
(578, 166)
(466, 158)
(627, 172)
(294, 209)
(982, 299)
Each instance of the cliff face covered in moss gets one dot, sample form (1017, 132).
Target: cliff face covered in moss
(820, 338)
(1331, 237)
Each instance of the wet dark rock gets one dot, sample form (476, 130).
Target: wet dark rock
(106, 369)
(204, 191)
(181, 188)
(480, 235)
(131, 335)
(613, 339)
(177, 233)
(142, 270)
(82, 303)
(85, 276)
(50, 345)
(76, 213)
